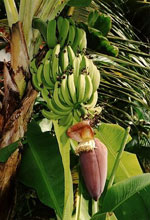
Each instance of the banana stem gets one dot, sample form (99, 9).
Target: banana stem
(70, 11)
(11, 10)
(58, 217)
(22, 9)
(117, 161)
(27, 21)
(94, 207)
(79, 201)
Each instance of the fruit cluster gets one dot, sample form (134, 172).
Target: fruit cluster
(67, 79)
(97, 29)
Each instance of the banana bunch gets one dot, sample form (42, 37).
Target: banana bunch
(63, 31)
(68, 84)
(67, 80)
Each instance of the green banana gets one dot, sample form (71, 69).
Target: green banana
(61, 97)
(40, 73)
(77, 40)
(59, 23)
(83, 42)
(53, 107)
(88, 88)
(64, 32)
(84, 65)
(92, 102)
(45, 94)
(65, 91)
(33, 67)
(48, 55)
(64, 60)
(35, 82)
(66, 120)
(76, 115)
(50, 115)
(46, 73)
(71, 55)
(71, 21)
(57, 99)
(44, 83)
(51, 34)
(79, 56)
(96, 78)
(76, 68)
(71, 35)
(40, 77)
(51, 72)
(81, 88)
(72, 88)
(83, 111)
(55, 62)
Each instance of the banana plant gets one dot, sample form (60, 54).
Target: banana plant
(67, 81)
(19, 95)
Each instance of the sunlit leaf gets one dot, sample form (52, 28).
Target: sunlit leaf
(111, 135)
(120, 192)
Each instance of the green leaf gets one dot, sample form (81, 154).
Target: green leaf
(120, 192)
(79, 3)
(111, 135)
(128, 167)
(65, 154)
(42, 168)
(104, 216)
(139, 211)
(6, 152)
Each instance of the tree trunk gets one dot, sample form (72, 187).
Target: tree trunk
(17, 106)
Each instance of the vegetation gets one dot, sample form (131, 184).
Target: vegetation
(78, 78)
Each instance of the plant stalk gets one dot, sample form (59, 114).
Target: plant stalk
(11, 10)
(21, 10)
(79, 200)
(94, 207)
(113, 173)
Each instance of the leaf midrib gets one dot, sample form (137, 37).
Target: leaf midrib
(127, 197)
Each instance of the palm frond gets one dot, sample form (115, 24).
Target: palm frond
(125, 79)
